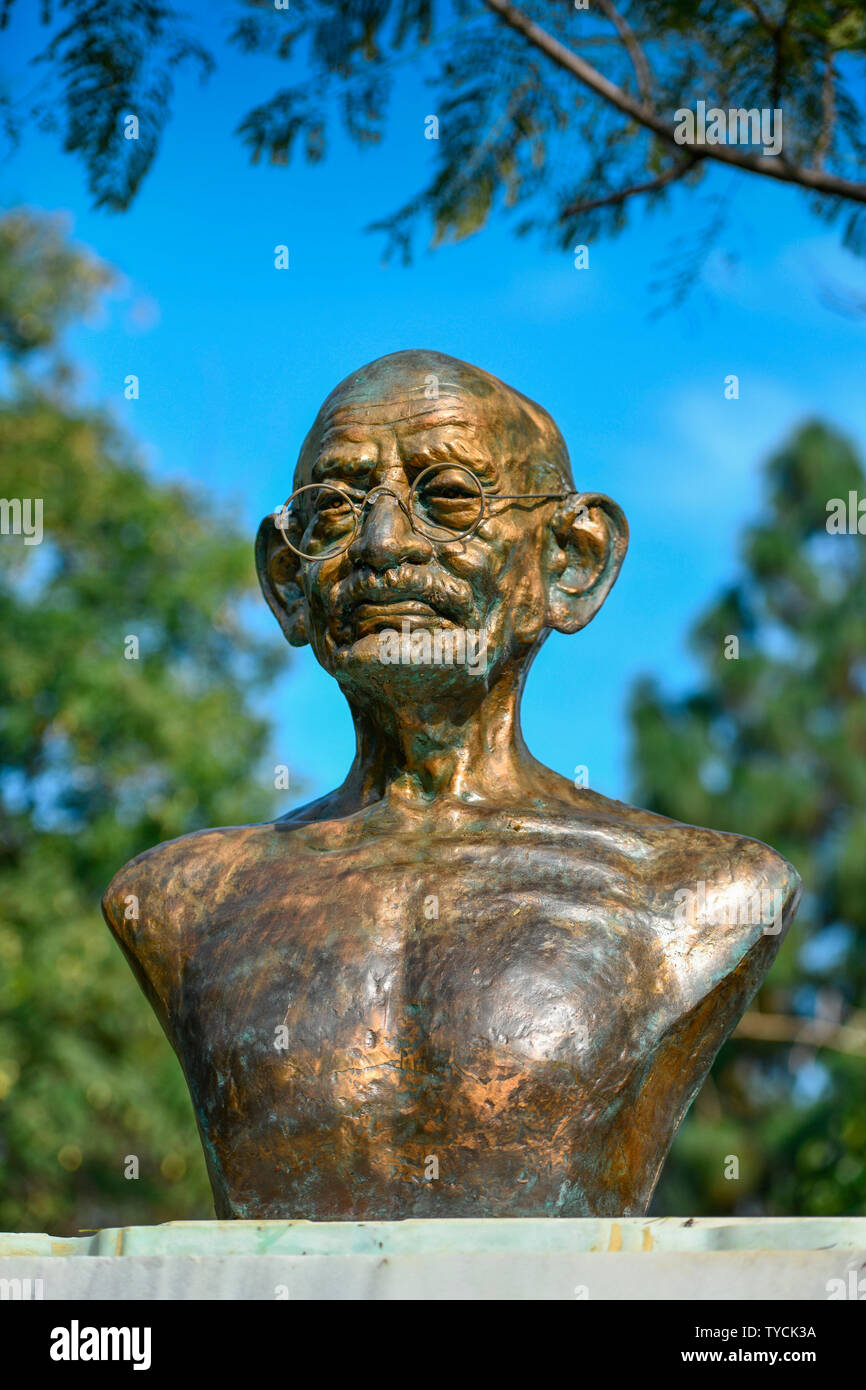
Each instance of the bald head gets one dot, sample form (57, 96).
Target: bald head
(387, 516)
(421, 389)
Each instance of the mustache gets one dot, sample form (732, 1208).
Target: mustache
(451, 597)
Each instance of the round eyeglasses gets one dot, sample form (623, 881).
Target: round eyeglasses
(447, 503)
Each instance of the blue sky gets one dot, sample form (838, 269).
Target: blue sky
(234, 358)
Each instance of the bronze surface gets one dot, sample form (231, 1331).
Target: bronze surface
(457, 985)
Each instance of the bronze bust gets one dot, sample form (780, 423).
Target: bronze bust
(457, 985)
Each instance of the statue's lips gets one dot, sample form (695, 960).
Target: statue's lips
(388, 610)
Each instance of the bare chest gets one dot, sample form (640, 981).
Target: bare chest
(354, 1014)
(344, 955)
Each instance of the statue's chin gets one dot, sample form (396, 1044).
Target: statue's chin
(407, 671)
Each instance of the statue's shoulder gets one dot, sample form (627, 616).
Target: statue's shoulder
(717, 903)
(154, 904)
(177, 872)
(719, 868)
(674, 857)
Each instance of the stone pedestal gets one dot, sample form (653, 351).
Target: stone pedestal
(634, 1258)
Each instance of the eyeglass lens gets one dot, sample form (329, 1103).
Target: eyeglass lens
(446, 502)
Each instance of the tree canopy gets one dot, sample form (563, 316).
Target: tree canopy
(564, 113)
(104, 753)
(772, 743)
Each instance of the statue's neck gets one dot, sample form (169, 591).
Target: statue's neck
(470, 749)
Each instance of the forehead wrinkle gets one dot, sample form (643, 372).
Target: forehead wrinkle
(416, 424)
(358, 432)
(446, 390)
(348, 414)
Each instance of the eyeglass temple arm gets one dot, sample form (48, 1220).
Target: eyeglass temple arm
(516, 496)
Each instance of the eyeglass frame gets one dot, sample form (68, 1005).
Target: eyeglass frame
(380, 488)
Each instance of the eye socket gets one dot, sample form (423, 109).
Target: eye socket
(447, 501)
(328, 500)
(318, 521)
(447, 492)
(445, 480)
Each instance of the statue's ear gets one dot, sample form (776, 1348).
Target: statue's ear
(277, 568)
(588, 541)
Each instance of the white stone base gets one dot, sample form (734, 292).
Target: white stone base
(637, 1258)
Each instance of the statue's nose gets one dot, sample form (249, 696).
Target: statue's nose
(386, 536)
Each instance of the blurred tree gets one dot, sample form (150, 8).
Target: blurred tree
(773, 745)
(102, 756)
(45, 282)
(567, 110)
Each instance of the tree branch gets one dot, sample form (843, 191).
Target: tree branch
(828, 106)
(779, 55)
(770, 166)
(635, 52)
(578, 67)
(755, 9)
(669, 176)
(847, 1037)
